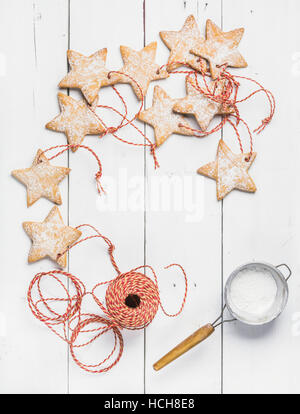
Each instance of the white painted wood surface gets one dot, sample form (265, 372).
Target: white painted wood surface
(207, 237)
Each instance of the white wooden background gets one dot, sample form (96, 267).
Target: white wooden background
(34, 37)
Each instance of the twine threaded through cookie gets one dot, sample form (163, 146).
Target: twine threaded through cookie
(66, 147)
(228, 98)
(122, 124)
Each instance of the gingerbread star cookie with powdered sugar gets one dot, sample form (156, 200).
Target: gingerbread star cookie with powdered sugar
(161, 116)
(50, 238)
(230, 171)
(199, 105)
(140, 68)
(220, 48)
(88, 73)
(180, 44)
(76, 120)
(42, 179)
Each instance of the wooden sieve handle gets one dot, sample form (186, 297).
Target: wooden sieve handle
(184, 346)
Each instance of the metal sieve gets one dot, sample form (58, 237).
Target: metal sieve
(278, 304)
(245, 316)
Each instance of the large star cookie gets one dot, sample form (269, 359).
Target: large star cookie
(162, 117)
(220, 48)
(140, 66)
(180, 44)
(76, 120)
(50, 238)
(230, 171)
(42, 179)
(88, 73)
(202, 107)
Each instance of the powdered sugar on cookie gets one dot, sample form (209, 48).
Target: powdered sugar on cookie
(50, 238)
(42, 179)
(76, 120)
(140, 68)
(163, 119)
(180, 44)
(199, 105)
(230, 171)
(220, 48)
(88, 73)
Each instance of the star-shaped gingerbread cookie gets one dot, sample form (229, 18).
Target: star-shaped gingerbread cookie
(88, 73)
(230, 171)
(162, 118)
(76, 120)
(199, 105)
(180, 44)
(140, 66)
(50, 238)
(42, 179)
(220, 48)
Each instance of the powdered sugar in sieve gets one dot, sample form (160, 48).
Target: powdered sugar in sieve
(255, 293)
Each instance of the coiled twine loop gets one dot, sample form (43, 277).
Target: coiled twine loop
(132, 300)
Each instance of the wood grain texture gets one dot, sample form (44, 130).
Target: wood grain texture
(265, 226)
(94, 26)
(33, 41)
(189, 234)
(157, 217)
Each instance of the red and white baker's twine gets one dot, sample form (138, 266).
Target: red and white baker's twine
(116, 312)
(113, 130)
(66, 147)
(227, 97)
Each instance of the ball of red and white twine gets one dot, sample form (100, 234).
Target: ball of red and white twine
(131, 301)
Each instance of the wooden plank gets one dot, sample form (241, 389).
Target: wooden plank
(32, 46)
(265, 226)
(189, 233)
(95, 25)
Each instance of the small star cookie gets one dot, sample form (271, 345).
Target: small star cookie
(42, 179)
(180, 44)
(202, 107)
(76, 120)
(230, 171)
(220, 48)
(88, 73)
(162, 118)
(141, 67)
(50, 238)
